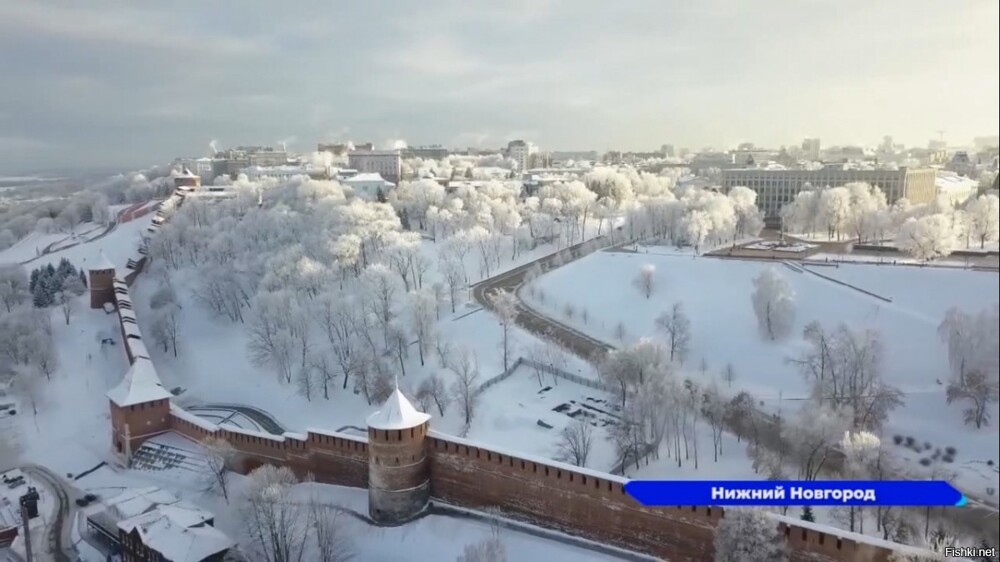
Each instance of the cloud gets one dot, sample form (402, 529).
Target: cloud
(137, 83)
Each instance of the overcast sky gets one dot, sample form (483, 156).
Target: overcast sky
(101, 83)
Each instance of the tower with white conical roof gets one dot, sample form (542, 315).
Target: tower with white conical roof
(398, 471)
(140, 408)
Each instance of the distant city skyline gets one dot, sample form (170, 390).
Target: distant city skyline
(107, 84)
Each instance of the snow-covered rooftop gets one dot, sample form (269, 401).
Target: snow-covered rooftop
(397, 413)
(179, 532)
(103, 262)
(141, 384)
(365, 177)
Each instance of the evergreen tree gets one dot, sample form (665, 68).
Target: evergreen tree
(468, 173)
(49, 270)
(64, 268)
(83, 278)
(807, 514)
(380, 196)
(34, 279)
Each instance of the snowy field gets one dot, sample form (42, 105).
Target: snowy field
(33, 244)
(716, 297)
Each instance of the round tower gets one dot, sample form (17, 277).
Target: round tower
(100, 279)
(398, 473)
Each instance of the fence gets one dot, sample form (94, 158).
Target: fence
(554, 371)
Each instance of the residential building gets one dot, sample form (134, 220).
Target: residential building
(961, 164)
(777, 187)
(150, 524)
(811, 148)
(386, 163)
(521, 152)
(436, 152)
(667, 150)
(370, 186)
(231, 162)
(285, 172)
(560, 157)
(203, 167)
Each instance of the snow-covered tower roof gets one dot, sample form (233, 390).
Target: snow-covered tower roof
(102, 263)
(141, 384)
(397, 413)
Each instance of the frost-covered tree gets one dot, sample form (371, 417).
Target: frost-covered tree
(332, 542)
(505, 305)
(465, 389)
(14, 286)
(748, 535)
(927, 238)
(677, 327)
(423, 307)
(844, 369)
(984, 218)
(276, 525)
(978, 390)
(645, 281)
(433, 390)
(861, 452)
(835, 210)
(814, 436)
(749, 219)
(629, 368)
(575, 442)
(774, 304)
(219, 458)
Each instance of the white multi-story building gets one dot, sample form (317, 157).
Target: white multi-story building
(201, 167)
(520, 151)
(368, 186)
(254, 173)
(776, 188)
(386, 163)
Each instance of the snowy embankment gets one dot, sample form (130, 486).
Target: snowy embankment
(213, 363)
(715, 294)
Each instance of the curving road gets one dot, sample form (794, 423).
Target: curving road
(543, 326)
(60, 538)
(265, 420)
(978, 519)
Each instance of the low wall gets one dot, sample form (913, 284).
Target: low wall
(327, 456)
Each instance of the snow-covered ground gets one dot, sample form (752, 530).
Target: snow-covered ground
(716, 297)
(213, 364)
(33, 244)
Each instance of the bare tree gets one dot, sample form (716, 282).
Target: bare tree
(490, 549)
(13, 286)
(845, 370)
(729, 374)
(644, 280)
(453, 271)
(978, 390)
(277, 527)
(714, 409)
(333, 544)
(220, 458)
(466, 368)
(67, 304)
(575, 443)
(165, 326)
(505, 305)
(422, 315)
(432, 389)
(676, 325)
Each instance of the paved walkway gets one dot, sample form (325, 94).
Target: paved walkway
(264, 419)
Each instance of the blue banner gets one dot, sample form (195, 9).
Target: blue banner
(794, 493)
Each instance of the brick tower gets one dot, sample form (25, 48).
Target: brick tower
(101, 277)
(140, 408)
(398, 472)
